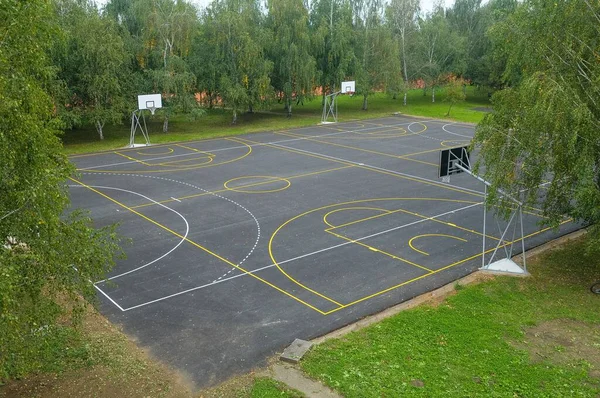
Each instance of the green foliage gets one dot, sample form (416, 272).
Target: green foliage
(378, 61)
(93, 66)
(232, 30)
(455, 92)
(545, 131)
(332, 39)
(217, 122)
(294, 66)
(441, 50)
(45, 259)
(467, 346)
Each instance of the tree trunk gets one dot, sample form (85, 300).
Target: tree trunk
(289, 108)
(424, 90)
(365, 102)
(234, 121)
(404, 99)
(250, 108)
(449, 109)
(432, 94)
(166, 124)
(99, 127)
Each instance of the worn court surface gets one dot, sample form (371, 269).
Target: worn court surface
(241, 244)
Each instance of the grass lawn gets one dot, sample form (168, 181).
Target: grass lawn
(217, 122)
(536, 337)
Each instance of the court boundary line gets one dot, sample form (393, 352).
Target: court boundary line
(256, 144)
(473, 204)
(187, 230)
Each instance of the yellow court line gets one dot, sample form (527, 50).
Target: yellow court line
(130, 158)
(177, 169)
(170, 150)
(174, 162)
(425, 235)
(420, 216)
(379, 251)
(198, 246)
(190, 148)
(270, 245)
(435, 184)
(358, 149)
(408, 133)
(269, 179)
(454, 142)
(437, 271)
(350, 208)
(242, 186)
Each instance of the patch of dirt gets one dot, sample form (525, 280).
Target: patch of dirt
(564, 341)
(235, 387)
(122, 370)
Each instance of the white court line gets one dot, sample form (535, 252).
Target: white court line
(249, 145)
(301, 257)
(450, 132)
(379, 168)
(176, 199)
(108, 297)
(187, 229)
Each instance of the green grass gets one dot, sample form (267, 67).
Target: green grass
(269, 388)
(468, 345)
(217, 122)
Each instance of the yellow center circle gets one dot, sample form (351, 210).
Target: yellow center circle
(257, 184)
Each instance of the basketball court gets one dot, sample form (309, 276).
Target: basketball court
(239, 245)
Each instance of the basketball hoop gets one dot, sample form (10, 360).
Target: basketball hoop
(150, 102)
(349, 87)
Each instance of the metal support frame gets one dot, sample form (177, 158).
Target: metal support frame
(135, 124)
(330, 108)
(518, 210)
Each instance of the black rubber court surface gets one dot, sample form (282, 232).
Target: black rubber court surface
(241, 244)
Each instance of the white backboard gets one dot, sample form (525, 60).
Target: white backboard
(348, 87)
(147, 101)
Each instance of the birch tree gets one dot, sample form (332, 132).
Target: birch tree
(403, 16)
(378, 63)
(290, 50)
(545, 131)
(331, 30)
(441, 50)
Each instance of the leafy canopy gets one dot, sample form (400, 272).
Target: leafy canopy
(44, 257)
(546, 129)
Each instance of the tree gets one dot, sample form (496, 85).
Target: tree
(442, 50)
(164, 31)
(403, 17)
(331, 30)
(294, 66)
(93, 65)
(46, 257)
(377, 52)
(545, 131)
(455, 91)
(485, 60)
(233, 29)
